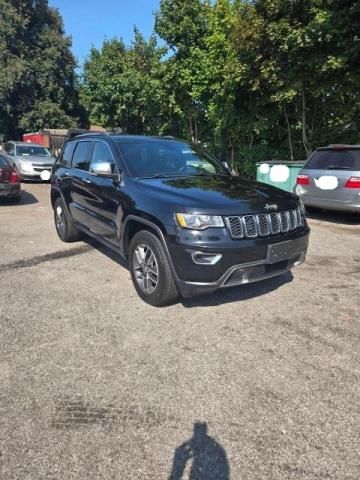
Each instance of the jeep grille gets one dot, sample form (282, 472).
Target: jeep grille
(264, 224)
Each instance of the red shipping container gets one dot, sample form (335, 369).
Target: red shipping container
(42, 138)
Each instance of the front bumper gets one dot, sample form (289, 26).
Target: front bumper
(249, 261)
(33, 175)
(34, 172)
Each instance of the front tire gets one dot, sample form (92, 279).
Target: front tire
(150, 270)
(65, 227)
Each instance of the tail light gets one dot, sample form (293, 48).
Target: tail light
(353, 182)
(302, 180)
(14, 177)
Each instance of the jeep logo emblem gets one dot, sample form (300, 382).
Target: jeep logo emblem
(271, 206)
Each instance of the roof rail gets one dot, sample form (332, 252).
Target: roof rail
(90, 133)
(343, 145)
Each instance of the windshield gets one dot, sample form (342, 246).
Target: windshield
(157, 158)
(335, 160)
(31, 151)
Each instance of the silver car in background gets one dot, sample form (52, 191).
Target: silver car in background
(330, 178)
(32, 161)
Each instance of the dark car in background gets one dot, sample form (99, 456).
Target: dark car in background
(32, 161)
(183, 222)
(10, 186)
(331, 178)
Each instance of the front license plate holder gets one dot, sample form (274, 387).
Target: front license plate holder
(285, 250)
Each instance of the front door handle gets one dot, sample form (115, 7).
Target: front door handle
(86, 180)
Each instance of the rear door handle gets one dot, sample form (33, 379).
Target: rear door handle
(86, 180)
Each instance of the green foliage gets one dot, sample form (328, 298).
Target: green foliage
(249, 80)
(122, 86)
(182, 23)
(37, 80)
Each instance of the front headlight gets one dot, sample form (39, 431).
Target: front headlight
(199, 222)
(25, 166)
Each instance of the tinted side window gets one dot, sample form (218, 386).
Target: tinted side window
(67, 153)
(102, 153)
(81, 157)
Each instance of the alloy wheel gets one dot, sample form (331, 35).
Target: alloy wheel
(145, 268)
(60, 220)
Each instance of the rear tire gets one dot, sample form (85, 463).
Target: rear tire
(65, 227)
(150, 270)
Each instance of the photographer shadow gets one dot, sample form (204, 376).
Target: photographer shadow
(207, 458)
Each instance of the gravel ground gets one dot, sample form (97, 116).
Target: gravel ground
(255, 382)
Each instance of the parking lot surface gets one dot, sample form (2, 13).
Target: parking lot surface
(255, 382)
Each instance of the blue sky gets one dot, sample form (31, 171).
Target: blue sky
(89, 22)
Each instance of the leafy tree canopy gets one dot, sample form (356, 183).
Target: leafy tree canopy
(250, 80)
(37, 69)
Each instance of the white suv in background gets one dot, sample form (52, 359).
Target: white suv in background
(331, 178)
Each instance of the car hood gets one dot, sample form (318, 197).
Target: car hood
(34, 159)
(219, 194)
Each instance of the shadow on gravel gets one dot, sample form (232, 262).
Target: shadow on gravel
(201, 456)
(26, 199)
(115, 257)
(344, 218)
(239, 293)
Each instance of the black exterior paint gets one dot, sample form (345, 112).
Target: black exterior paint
(106, 207)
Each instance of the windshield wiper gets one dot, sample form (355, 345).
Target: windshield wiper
(170, 175)
(209, 174)
(162, 175)
(338, 167)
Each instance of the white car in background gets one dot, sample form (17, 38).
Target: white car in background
(32, 161)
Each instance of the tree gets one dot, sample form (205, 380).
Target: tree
(37, 69)
(184, 25)
(121, 87)
(302, 65)
(250, 81)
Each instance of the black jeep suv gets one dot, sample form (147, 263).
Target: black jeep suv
(185, 224)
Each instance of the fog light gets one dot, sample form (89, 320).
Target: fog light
(201, 258)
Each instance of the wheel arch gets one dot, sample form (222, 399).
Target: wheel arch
(55, 194)
(134, 224)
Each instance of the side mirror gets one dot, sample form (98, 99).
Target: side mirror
(225, 164)
(102, 168)
(105, 169)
